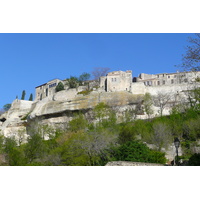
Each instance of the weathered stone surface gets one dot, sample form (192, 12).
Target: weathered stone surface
(127, 163)
(14, 119)
(58, 110)
(63, 103)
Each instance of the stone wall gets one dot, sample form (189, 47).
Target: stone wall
(46, 89)
(127, 163)
(116, 81)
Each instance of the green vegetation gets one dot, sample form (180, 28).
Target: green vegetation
(31, 97)
(99, 138)
(26, 116)
(84, 92)
(136, 151)
(23, 95)
(74, 82)
(7, 107)
(84, 77)
(59, 87)
(83, 143)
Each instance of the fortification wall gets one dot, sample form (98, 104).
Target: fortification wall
(171, 89)
(138, 88)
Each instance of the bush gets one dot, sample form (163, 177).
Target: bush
(59, 87)
(127, 133)
(194, 160)
(85, 92)
(137, 152)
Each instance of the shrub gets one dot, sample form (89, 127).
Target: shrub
(194, 160)
(59, 87)
(84, 92)
(136, 151)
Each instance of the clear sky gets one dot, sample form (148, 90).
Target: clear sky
(29, 59)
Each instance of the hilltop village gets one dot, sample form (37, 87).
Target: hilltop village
(124, 81)
(118, 89)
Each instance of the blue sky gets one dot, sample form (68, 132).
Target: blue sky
(28, 60)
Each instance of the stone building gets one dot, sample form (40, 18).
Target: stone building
(168, 78)
(46, 89)
(117, 81)
(123, 81)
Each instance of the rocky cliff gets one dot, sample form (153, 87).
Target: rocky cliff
(13, 121)
(58, 110)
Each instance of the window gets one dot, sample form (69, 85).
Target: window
(168, 76)
(52, 85)
(163, 82)
(174, 76)
(158, 82)
(172, 81)
(114, 79)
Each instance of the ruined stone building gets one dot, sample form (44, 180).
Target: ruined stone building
(152, 83)
(168, 78)
(46, 89)
(117, 81)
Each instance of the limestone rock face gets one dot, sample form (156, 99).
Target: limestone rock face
(57, 109)
(61, 102)
(14, 119)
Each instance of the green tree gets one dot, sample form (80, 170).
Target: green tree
(87, 148)
(35, 148)
(101, 111)
(127, 133)
(31, 97)
(23, 95)
(78, 123)
(7, 107)
(148, 103)
(72, 82)
(60, 87)
(14, 154)
(84, 77)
